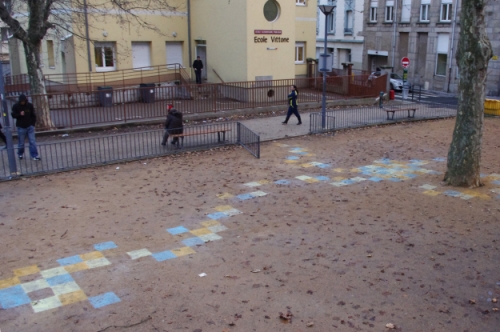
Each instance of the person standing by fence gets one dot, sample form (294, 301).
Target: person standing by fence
(198, 67)
(24, 113)
(293, 107)
(173, 125)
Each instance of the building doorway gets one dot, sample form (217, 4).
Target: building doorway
(201, 51)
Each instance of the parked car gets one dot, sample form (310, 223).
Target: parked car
(397, 82)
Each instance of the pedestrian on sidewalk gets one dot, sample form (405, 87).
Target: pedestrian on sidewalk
(198, 67)
(24, 113)
(293, 108)
(173, 125)
(2, 136)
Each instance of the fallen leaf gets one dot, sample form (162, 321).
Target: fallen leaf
(310, 324)
(256, 271)
(390, 326)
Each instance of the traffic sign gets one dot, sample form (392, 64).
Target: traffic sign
(405, 62)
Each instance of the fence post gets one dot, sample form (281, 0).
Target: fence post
(238, 133)
(8, 132)
(380, 99)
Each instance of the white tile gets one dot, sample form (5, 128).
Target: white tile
(428, 187)
(339, 184)
(35, 285)
(303, 177)
(139, 253)
(252, 184)
(210, 237)
(217, 228)
(257, 194)
(497, 190)
(57, 271)
(315, 163)
(358, 179)
(232, 212)
(46, 304)
(465, 196)
(93, 263)
(66, 288)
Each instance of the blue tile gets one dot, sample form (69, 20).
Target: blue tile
(244, 197)
(105, 246)
(384, 161)
(347, 181)
(439, 159)
(322, 178)
(324, 166)
(178, 230)
(452, 193)
(103, 300)
(414, 161)
(192, 241)
(497, 182)
(302, 152)
(292, 158)
(410, 175)
(382, 171)
(217, 215)
(282, 182)
(394, 179)
(163, 256)
(13, 297)
(375, 179)
(498, 197)
(60, 279)
(70, 260)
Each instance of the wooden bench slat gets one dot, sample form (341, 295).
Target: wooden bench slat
(394, 110)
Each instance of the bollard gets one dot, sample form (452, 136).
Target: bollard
(380, 99)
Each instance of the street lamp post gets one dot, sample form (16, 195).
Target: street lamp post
(327, 10)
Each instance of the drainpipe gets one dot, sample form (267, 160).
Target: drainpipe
(452, 41)
(189, 33)
(87, 34)
(394, 33)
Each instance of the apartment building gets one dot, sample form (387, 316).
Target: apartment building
(344, 28)
(427, 32)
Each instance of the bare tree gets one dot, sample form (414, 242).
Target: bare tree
(31, 20)
(473, 53)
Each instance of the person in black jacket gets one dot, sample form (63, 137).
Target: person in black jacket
(24, 113)
(292, 107)
(198, 67)
(173, 125)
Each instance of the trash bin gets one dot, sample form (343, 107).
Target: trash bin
(406, 90)
(147, 92)
(105, 95)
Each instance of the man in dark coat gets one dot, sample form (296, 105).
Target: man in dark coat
(24, 113)
(198, 67)
(173, 125)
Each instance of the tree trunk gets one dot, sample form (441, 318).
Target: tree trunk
(473, 53)
(37, 85)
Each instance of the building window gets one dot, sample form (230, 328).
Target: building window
(50, 53)
(300, 52)
(373, 11)
(331, 22)
(424, 10)
(141, 55)
(300, 2)
(389, 10)
(104, 56)
(174, 54)
(406, 11)
(442, 53)
(445, 11)
(271, 10)
(349, 17)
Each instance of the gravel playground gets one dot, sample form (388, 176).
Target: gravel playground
(352, 232)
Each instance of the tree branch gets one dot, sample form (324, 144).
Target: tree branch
(12, 23)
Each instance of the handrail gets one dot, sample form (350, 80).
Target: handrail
(218, 76)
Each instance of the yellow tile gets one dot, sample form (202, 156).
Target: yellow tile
(225, 195)
(291, 161)
(183, 251)
(201, 231)
(338, 170)
(26, 271)
(76, 267)
(431, 192)
(91, 255)
(9, 282)
(210, 223)
(311, 180)
(355, 170)
(72, 297)
(306, 165)
(338, 178)
(221, 208)
(310, 154)
(263, 182)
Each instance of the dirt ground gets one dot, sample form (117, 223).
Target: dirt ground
(353, 244)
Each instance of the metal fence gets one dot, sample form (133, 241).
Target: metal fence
(318, 126)
(390, 112)
(109, 106)
(249, 140)
(79, 153)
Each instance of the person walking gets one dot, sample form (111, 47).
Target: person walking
(198, 67)
(173, 125)
(293, 108)
(24, 113)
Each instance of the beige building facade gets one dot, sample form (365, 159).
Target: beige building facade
(238, 40)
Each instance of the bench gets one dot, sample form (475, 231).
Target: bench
(394, 110)
(198, 131)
